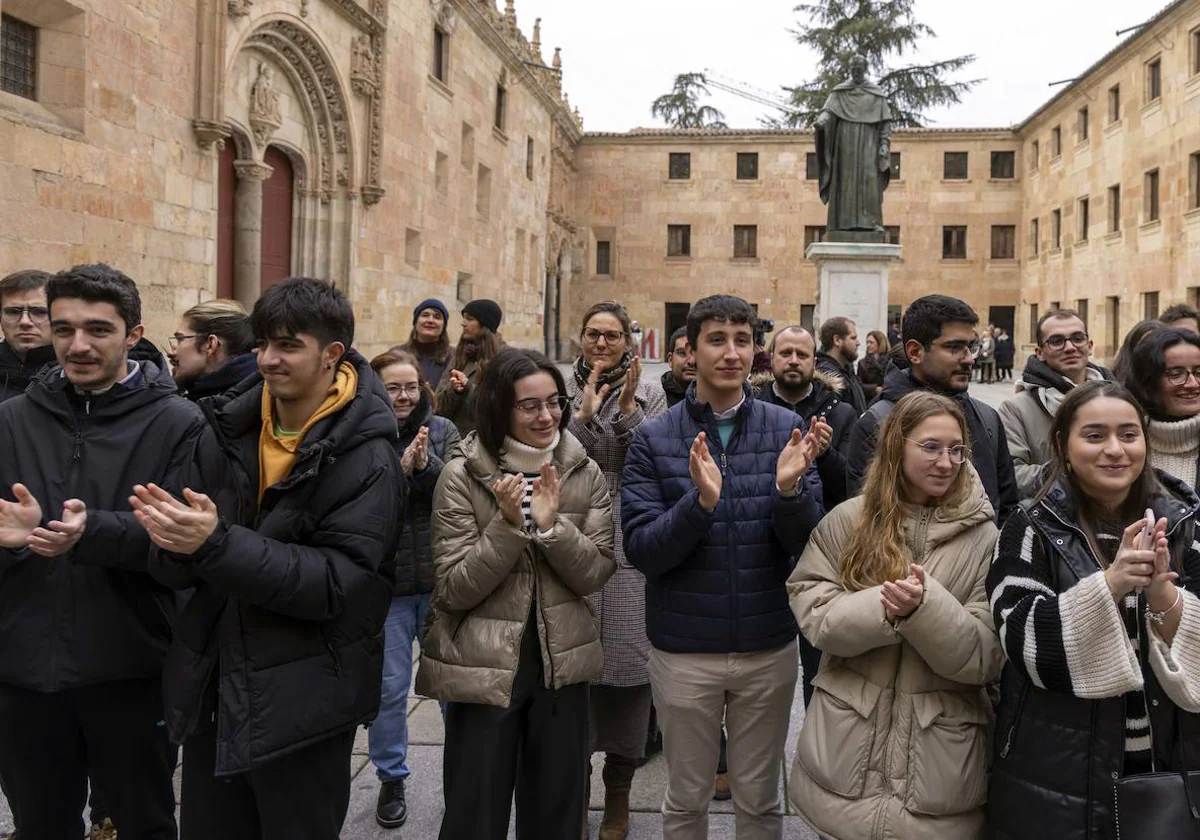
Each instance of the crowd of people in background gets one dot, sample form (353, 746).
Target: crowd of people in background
(226, 555)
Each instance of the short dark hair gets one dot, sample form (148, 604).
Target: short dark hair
(1149, 363)
(725, 308)
(1171, 314)
(28, 280)
(835, 327)
(675, 336)
(304, 305)
(98, 283)
(1052, 315)
(1122, 366)
(925, 317)
(496, 395)
(226, 319)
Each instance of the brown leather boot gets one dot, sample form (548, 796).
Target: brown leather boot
(618, 780)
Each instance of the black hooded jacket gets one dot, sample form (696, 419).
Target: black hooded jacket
(93, 615)
(854, 390)
(989, 446)
(16, 375)
(675, 392)
(291, 593)
(223, 378)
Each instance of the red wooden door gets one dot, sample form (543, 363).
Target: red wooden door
(226, 197)
(277, 220)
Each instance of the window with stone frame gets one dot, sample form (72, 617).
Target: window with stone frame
(813, 234)
(529, 158)
(441, 55)
(1035, 236)
(1194, 59)
(747, 166)
(1056, 228)
(894, 164)
(1114, 104)
(1154, 79)
(955, 166)
(1084, 222)
(745, 242)
(1150, 308)
(18, 57)
(1082, 124)
(501, 114)
(1033, 321)
(812, 168)
(1150, 190)
(1004, 165)
(679, 166)
(1035, 155)
(954, 242)
(1081, 306)
(1194, 181)
(603, 257)
(1055, 142)
(1114, 208)
(1004, 242)
(679, 240)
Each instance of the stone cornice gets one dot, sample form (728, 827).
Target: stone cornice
(734, 137)
(374, 22)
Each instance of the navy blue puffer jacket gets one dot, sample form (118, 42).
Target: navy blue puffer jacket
(715, 581)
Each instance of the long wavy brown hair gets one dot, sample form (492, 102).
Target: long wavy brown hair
(877, 551)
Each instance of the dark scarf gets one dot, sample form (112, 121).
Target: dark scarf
(470, 348)
(583, 371)
(411, 425)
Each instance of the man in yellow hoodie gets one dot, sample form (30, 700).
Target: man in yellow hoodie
(287, 531)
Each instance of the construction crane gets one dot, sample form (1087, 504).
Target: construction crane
(749, 92)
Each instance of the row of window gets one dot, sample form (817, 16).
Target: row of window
(955, 166)
(1151, 303)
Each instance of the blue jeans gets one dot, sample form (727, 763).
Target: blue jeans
(388, 735)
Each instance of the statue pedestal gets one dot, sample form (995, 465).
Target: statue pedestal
(852, 281)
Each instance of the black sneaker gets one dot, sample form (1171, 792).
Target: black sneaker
(391, 811)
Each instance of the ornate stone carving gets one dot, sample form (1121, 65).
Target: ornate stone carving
(363, 75)
(209, 133)
(265, 112)
(536, 45)
(444, 15)
(252, 170)
(239, 8)
(303, 8)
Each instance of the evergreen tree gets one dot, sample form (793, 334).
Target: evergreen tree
(882, 31)
(681, 107)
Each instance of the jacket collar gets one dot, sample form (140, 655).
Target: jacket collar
(568, 456)
(1176, 502)
(51, 390)
(35, 359)
(1038, 374)
(702, 413)
(223, 378)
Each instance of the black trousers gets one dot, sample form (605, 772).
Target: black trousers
(114, 730)
(537, 747)
(302, 796)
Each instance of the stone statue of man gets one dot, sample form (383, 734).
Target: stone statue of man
(854, 155)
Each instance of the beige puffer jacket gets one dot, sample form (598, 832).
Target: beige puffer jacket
(489, 572)
(896, 741)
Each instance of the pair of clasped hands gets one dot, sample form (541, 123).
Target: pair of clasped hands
(180, 527)
(1143, 562)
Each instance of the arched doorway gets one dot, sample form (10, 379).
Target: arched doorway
(277, 219)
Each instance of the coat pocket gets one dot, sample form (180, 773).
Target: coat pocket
(948, 753)
(839, 732)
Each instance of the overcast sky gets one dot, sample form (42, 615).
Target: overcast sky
(618, 55)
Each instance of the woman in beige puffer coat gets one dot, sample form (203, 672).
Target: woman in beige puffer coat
(522, 533)
(891, 588)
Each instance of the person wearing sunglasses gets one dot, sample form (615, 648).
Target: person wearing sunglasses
(891, 588)
(941, 346)
(522, 535)
(1165, 379)
(25, 322)
(1058, 364)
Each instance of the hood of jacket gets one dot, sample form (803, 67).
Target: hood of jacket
(235, 370)
(52, 391)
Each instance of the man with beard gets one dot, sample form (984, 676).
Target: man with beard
(839, 351)
(25, 322)
(675, 381)
(1058, 364)
(939, 340)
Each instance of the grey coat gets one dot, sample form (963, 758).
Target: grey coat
(621, 606)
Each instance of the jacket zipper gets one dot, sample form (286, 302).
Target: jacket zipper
(1012, 730)
(730, 548)
(337, 662)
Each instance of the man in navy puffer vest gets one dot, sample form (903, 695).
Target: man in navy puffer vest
(719, 501)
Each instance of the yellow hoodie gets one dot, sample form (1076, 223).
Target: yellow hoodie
(276, 448)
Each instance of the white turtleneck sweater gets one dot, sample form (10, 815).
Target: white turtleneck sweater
(518, 458)
(1175, 447)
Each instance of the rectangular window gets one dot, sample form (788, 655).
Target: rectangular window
(1194, 181)
(1035, 234)
(1113, 306)
(813, 234)
(1114, 104)
(1033, 321)
(955, 166)
(1154, 79)
(812, 170)
(1085, 218)
(680, 166)
(1193, 296)
(1081, 306)
(1114, 208)
(529, 158)
(1150, 305)
(1055, 142)
(679, 240)
(954, 242)
(1081, 125)
(18, 57)
(747, 166)
(1004, 165)
(441, 54)
(1004, 242)
(895, 166)
(603, 257)
(1055, 306)
(891, 234)
(1035, 154)
(745, 241)
(501, 106)
(1151, 191)
(1195, 42)
(1056, 228)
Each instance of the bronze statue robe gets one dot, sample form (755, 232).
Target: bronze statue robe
(854, 154)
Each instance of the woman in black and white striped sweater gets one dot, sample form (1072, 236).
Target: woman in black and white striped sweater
(1079, 709)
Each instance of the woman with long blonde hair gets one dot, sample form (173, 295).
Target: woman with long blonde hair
(891, 589)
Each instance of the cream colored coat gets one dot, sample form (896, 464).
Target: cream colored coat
(492, 576)
(896, 741)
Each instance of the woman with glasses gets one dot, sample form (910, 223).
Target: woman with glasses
(425, 444)
(1165, 379)
(891, 589)
(522, 534)
(1102, 683)
(608, 402)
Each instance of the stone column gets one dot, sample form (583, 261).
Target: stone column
(247, 230)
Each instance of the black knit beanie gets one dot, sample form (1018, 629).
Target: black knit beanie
(486, 312)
